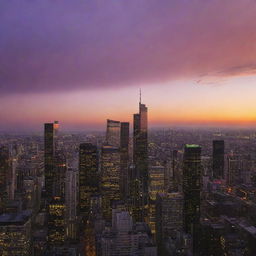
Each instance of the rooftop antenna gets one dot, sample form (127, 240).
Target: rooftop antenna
(140, 95)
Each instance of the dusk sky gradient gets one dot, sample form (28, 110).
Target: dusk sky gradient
(83, 61)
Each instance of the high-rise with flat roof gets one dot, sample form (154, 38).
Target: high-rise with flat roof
(218, 159)
(50, 134)
(192, 190)
(113, 133)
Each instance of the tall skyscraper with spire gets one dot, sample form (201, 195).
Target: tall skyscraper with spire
(140, 153)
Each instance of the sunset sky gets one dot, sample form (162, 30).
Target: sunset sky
(83, 61)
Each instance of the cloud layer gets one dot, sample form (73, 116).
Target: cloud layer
(66, 45)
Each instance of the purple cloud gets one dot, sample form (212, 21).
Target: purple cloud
(68, 45)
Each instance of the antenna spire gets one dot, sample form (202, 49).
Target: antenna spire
(140, 95)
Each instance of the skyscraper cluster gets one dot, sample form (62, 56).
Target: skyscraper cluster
(128, 193)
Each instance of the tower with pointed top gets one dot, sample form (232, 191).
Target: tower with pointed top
(140, 158)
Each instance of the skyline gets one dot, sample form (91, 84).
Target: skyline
(174, 112)
(84, 62)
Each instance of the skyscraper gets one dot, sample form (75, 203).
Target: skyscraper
(124, 159)
(56, 222)
(218, 159)
(88, 176)
(57, 204)
(4, 170)
(113, 133)
(169, 221)
(50, 133)
(140, 154)
(191, 190)
(110, 178)
(71, 202)
(156, 185)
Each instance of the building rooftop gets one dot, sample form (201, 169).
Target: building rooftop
(192, 146)
(15, 218)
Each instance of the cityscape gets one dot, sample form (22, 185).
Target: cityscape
(128, 191)
(127, 128)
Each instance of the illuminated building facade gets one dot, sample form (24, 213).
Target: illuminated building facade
(113, 133)
(15, 234)
(218, 159)
(192, 190)
(110, 178)
(156, 181)
(88, 176)
(56, 222)
(57, 205)
(156, 185)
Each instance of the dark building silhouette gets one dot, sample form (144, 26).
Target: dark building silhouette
(140, 159)
(55, 174)
(4, 170)
(60, 169)
(124, 159)
(169, 221)
(218, 159)
(191, 190)
(88, 176)
(50, 134)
